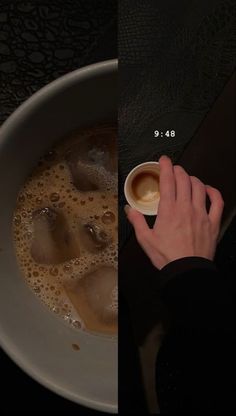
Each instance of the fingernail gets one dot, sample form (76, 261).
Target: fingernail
(164, 157)
(126, 209)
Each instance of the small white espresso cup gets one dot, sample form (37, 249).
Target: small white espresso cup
(142, 189)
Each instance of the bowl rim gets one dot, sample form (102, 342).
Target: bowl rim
(6, 344)
(57, 84)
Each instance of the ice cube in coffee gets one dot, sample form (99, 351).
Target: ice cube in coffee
(91, 158)
(53, 241)
(95, 298)
(94, 237)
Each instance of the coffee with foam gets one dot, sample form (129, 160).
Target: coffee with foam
(145, 187)
(65, 229)
(142, 188)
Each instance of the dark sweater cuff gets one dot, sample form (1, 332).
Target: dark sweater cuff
(180, 266)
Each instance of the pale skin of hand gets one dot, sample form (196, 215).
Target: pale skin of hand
(183, 227)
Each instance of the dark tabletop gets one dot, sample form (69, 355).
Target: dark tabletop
(175, 58)
(39, 41)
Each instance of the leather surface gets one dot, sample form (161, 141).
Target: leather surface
(42, 40)
(211, 154)
(174, 60)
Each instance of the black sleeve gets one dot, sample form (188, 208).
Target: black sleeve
(195, 366)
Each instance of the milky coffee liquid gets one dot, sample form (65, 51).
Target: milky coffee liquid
(65, 229)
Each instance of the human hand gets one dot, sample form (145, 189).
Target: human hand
(183, 226)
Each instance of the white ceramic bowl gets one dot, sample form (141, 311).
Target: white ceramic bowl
(36, 339)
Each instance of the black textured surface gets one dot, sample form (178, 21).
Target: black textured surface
(39, 41)
(211, 154)
(174, 60)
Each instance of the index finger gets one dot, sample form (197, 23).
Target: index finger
(167, 182)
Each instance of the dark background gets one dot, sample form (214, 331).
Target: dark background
(40, 41)
(174, 59)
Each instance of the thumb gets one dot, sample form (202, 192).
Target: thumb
(139, 223)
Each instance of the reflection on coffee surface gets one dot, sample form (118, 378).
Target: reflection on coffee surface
(145, 187)
(66, 232)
